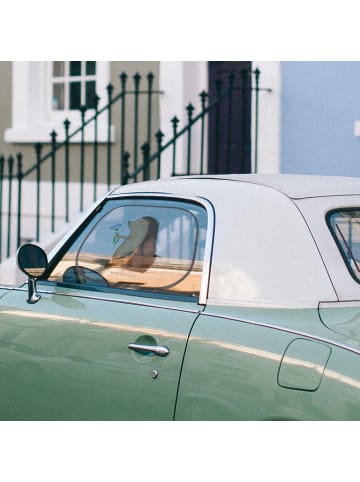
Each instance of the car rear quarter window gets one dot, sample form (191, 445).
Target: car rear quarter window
(154, 245)
(344, 225)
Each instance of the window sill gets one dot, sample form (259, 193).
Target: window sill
(26, 135)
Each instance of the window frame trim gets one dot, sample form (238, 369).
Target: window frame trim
(59, 250)
(336, 239)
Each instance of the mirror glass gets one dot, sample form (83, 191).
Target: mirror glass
(32, 260)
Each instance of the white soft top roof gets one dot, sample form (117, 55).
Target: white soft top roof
(296, 186)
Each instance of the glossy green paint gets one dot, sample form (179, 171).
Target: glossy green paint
(67, 358)
(236, 370)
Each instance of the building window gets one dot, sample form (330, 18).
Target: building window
(44, 94)
(73, 85)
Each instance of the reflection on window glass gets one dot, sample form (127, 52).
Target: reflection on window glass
(90, 94)
(58, 69)
(90, 68)
(75, 68)
(345, 227)
(58, 97)
(75, 95)
(135, 245)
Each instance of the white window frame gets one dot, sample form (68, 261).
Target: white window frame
(33, 118)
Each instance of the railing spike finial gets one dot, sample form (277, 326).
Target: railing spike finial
(123, 78)
(150, 77)
(190, 109)
(96, 101)
(203, 96)
(19, 158)
(137, 78)
(38, 147)
(67, 127)
(82, 110)
(10, 164)
(53, 135)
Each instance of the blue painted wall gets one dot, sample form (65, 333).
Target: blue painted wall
(319, 106)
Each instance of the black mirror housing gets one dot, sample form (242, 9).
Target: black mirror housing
(32, 260)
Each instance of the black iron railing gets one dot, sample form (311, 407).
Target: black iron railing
(144, 161)
(59, 158)
(224, 93)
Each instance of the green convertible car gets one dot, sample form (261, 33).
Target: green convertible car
(230, 297)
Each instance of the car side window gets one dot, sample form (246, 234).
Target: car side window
(155, 245)
(345, 227)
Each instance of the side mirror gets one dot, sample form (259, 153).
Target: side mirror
(32, 261)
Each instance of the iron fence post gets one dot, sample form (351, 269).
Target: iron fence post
(159, 136)
(146, 154)
(203, 97)
(125, 168)
(96, 101)
(150, 78)
(110, 89)
(82, 157)
(67, 125)
(53, 179)
(38, 147)
(137, 79)
(190, 110)
(10, 177)
(175, 121)
(123, 78)
(19, 158)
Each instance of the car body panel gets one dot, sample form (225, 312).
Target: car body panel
(253, 370)
(67, 357)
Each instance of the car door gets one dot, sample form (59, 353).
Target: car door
(107, 338)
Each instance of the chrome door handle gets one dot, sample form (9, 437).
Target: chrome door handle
(155, 349)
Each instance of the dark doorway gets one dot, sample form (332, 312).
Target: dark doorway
(230, 119)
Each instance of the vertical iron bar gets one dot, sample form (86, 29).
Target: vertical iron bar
(2, 162)
(38, 148)
(175, 122)
(19, 176)
(123, 78)
(203, 97)
(110, 88)
(53, 179)
(82, 157)
(218, 84)
(10, 176)
(257, 77)
(190, 110)
(150, 78)
(67, 125)
(159, 135)
(229, 126)
(137, 78)
(125, 168)
(96, 100)
(146, 152)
